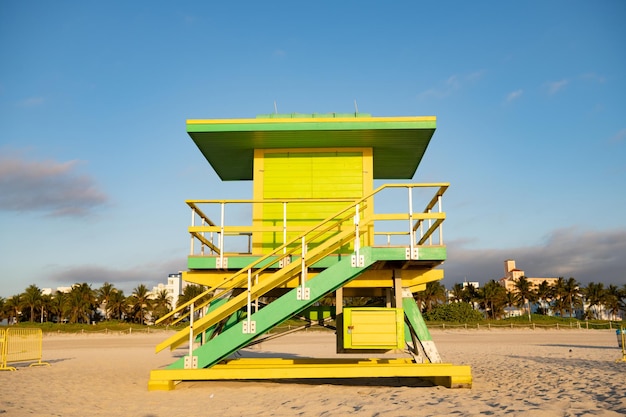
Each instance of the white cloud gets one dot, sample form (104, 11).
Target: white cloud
(54, 188)
(555, 86)
(451, 85)
(514, 95)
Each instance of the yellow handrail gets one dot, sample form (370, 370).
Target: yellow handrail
(280, 277)
(278, 252)
(283, 251)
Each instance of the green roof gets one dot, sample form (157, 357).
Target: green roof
(398, 143)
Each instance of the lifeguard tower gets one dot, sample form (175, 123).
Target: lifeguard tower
(315, 236)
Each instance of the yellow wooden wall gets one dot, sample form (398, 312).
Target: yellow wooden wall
(306, 174)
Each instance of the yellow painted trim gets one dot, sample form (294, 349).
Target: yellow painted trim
(314, 120)
(257, 194)
(371, 278)
(368, 188)
(451, 376)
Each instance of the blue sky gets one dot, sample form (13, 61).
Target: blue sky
(95, 163)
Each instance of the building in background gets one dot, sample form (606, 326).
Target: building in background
(174, 287)
(512, 275)
(474, 284)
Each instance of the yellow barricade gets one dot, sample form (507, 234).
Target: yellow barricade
(3, 345)
(21, 345)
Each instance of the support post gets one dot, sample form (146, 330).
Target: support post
(303, 293)
(339, 318)
(249, 326)
(191, 361)
(221, 240)
(411, 232)
(441, 225)
(416, 321)
(357, 259)
(193, 220)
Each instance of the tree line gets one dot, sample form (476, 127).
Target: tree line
(563, 298)
(84, 304)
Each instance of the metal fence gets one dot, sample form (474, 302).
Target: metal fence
(21, 345)
(530, 325)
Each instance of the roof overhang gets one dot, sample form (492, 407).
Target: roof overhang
(398, 143)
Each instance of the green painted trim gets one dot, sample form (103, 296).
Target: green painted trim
(310, 126)
(398, 145)
(416, 320)
(239, 262)
(432, 253)
(235, 263)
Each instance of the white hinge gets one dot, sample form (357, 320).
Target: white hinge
(249, 329)
(303, 295)
(191, 362)
(412, 255)
(357, 263)
(220, 264)
(284, 262)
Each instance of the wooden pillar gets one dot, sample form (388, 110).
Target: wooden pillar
(339, 319)
(397, 288)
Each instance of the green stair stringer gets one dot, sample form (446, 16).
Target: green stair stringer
(257, 290)
(281, 309)
(416, 321)
(208, 333)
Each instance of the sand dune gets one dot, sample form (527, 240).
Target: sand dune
(516, 373)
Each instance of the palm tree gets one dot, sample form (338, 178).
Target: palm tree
(595, 295)
(118, 305)
(510, 298)
(31, 299)
(612, 300)
(457, 292)
(190, 292)
(471, 295)
(525, 293)
(571, 294)
(59, 306)
(162, 303)
(560, 305)
(434, 294)
(3, 308)
(544, 294)
(14, 307)
(104, 294)
(622, 302)
(492, 299)
(46, 301)
(82, 301)
(140, 302)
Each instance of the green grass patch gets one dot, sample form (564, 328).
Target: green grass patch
(100, 327)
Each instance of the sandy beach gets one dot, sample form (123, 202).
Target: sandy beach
(516, 373)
